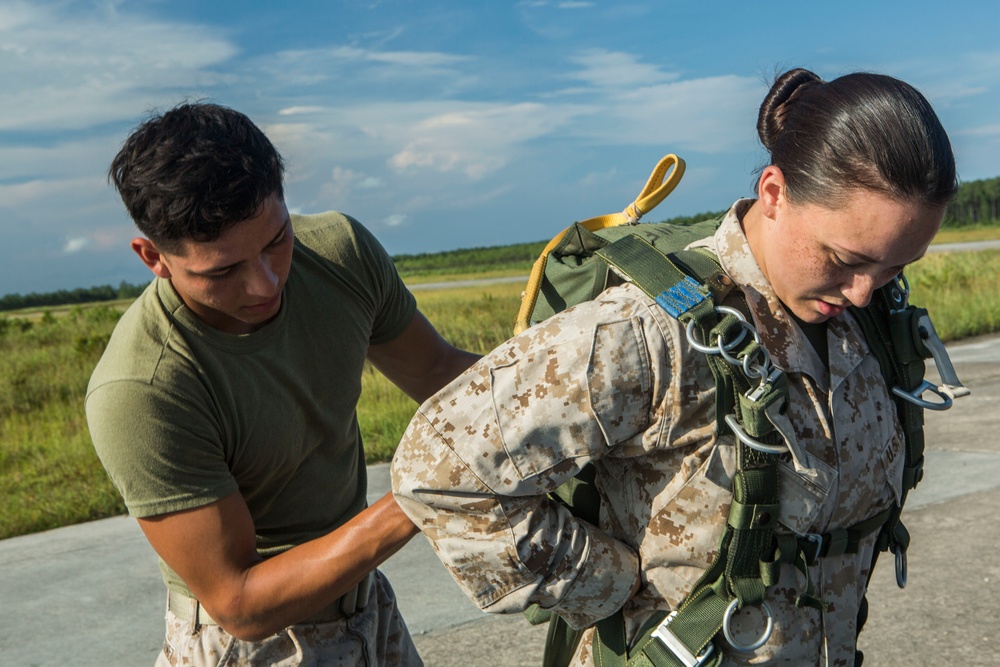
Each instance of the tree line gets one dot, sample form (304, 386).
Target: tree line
(71, 297)
(977, 203)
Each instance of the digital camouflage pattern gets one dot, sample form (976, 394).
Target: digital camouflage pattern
(615, 381)
(374, 637)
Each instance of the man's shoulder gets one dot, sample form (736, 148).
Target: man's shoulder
(339, 239)
(137, 345)
(326, 225)
(331, 234)
(319, 222)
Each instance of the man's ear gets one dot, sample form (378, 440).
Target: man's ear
(150, 256)
(771, 191)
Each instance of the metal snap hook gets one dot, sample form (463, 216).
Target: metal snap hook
(719, 347)
(916, 398)
(750, 442)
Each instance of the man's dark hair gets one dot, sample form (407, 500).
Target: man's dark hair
(193, 172)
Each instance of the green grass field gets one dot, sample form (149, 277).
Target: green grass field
(50, 476)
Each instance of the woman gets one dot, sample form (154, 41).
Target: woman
(860, 173)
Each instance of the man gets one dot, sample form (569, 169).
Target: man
(224, 406)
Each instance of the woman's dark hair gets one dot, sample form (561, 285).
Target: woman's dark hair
(860, 131)
(193, 172)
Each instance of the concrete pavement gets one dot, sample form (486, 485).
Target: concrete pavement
(90, 594)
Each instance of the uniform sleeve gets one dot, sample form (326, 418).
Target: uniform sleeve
(475, 465)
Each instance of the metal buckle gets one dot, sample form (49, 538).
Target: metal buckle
(677, 647)
(356, 599)
(816, 539)
(753, 646)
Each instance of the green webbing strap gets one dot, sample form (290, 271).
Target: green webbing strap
(700, 616)
(737, 570)
(684, 298)
(654, 273)
(892, 335)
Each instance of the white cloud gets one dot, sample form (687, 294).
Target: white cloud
(617, 70)
(640, 103)
(75, 244)
(71, 72)
(395, 220)
(980, 131)
(356, 67)
(343, 182)
(298, 111)
(477, 139)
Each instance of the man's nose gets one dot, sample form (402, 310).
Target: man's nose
(263, 280)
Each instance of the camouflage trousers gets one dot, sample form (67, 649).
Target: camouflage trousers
(374, 637)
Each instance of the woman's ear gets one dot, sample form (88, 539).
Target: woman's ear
(150, 256)
(771, 191)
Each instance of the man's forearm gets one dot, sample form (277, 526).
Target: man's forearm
(283, 590)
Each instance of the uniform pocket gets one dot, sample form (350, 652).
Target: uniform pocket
(574, 399)
(618, 380)
(890, 465)
(803, 496)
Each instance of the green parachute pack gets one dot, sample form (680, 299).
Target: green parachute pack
(690, 285)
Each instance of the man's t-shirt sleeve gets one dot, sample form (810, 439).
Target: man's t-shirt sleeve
(164, 456)
(353, 251)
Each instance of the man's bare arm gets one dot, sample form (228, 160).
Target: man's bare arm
(419, 361)
(212, 548)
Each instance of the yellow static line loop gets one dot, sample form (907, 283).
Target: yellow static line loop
(665, 177)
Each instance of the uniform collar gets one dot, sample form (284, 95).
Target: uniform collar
(790, 350)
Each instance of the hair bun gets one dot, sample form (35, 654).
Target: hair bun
(774, 111)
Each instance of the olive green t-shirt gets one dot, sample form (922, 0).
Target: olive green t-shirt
(182, 415)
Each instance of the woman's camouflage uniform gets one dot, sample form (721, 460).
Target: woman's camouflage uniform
(615, 381)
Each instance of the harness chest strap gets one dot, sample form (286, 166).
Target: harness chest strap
(734, 580)
(750, 555)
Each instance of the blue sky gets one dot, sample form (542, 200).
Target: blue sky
(444, 124)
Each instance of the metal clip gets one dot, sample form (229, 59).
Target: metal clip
(758, 393)
(950, 388)
(750, 442)
(677, 647)
(814, 538)
(900, 293)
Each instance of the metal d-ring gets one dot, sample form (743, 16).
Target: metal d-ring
(728, 617)
(718, 348)
(900, 554)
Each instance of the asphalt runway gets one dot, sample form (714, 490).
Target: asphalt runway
(90, 594)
